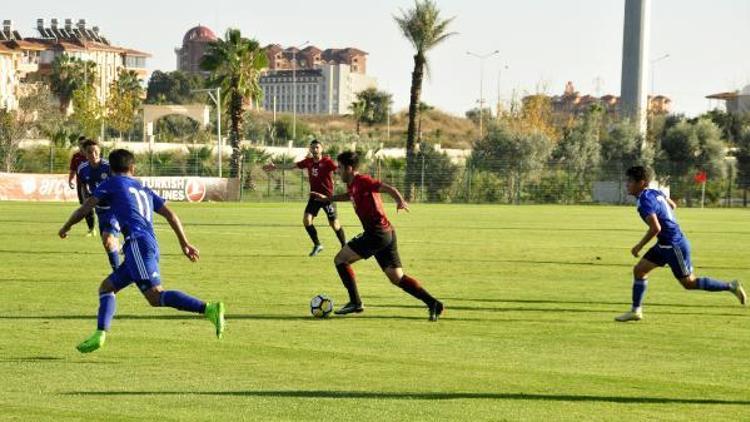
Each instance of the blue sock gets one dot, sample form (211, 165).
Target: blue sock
(107, 307)
(184, 302)
(639, 291)
(114, 259)
(712, 285)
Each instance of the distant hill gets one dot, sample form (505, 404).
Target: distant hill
(437, 127)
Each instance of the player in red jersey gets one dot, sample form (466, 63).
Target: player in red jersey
(378, 239)
(320, 171)
(76, 160)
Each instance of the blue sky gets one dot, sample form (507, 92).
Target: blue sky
(544, 43)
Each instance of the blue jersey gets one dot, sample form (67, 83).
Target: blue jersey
(91, 177)
(652, 201)
(132, 204)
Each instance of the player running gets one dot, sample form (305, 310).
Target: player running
(133, 206)
(378, 239)
(91, 173)
(75, 161)
(672, 247)
(320, 171)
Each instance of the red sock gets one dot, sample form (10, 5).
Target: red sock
(414, 287)
(350, 282)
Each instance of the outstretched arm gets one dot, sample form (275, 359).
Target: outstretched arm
(78, 215)
(396, 195)
(287, 166)
(654, 228)
(189, 250)
(671, 203)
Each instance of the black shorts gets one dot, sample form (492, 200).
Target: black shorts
(313, 207)
(382, 245)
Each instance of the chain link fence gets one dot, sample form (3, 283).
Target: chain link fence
(436, 179)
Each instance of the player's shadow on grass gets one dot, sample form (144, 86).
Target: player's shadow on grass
(377, 395)
(576, 302)
(508, 309)
(233, 317)
(592, 263)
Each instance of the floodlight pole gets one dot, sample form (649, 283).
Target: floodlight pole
(217, 101)
(482, 58)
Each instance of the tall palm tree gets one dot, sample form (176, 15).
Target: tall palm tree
(70, 74)
(424, 28)
(235, 64)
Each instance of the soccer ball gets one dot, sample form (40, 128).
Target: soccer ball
(321, 306)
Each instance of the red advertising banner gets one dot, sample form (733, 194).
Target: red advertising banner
(54, 187)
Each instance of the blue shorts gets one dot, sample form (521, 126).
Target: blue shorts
(141, 265)
(676, 255)
(107, 222)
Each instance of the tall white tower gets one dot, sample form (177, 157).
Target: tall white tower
(635, 64)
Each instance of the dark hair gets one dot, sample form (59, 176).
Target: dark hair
(315, 141)
(81, 139)
(89, 142)
(640, 174)
(349, 158)
(120, 160)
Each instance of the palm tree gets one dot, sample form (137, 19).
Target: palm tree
(424, 28)
(358, 109)
(70, 74)
(235, 64)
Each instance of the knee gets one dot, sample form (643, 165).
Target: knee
(110, 243)
(334, 224)
(106, 287)
(638, 273)
(339, 259)
(153, 298)
(689, 283)
(394, 276)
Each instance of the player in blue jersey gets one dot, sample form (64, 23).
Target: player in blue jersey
(133, 205)
(91, 173)
(672, 247)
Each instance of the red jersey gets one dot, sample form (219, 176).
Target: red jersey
(320, 174)
(363, 191)
(76, 161)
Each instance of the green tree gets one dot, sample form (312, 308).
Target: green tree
(29, 119)
(358, 109)
(688, 147)
(70, 74)
(235, 64)
(375, 106)
(517, 155)
(424, 28)
(579, 149)
(742, 154)
(475, 112)
(124, 99)
(620, 150)
(173, 88)
(438, 173)
(87, 111)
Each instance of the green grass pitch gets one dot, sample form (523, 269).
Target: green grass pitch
(530, 291)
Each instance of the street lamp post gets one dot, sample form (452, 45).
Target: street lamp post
(482, 58)
(294, 88)
(499, 78)
(215, 95)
